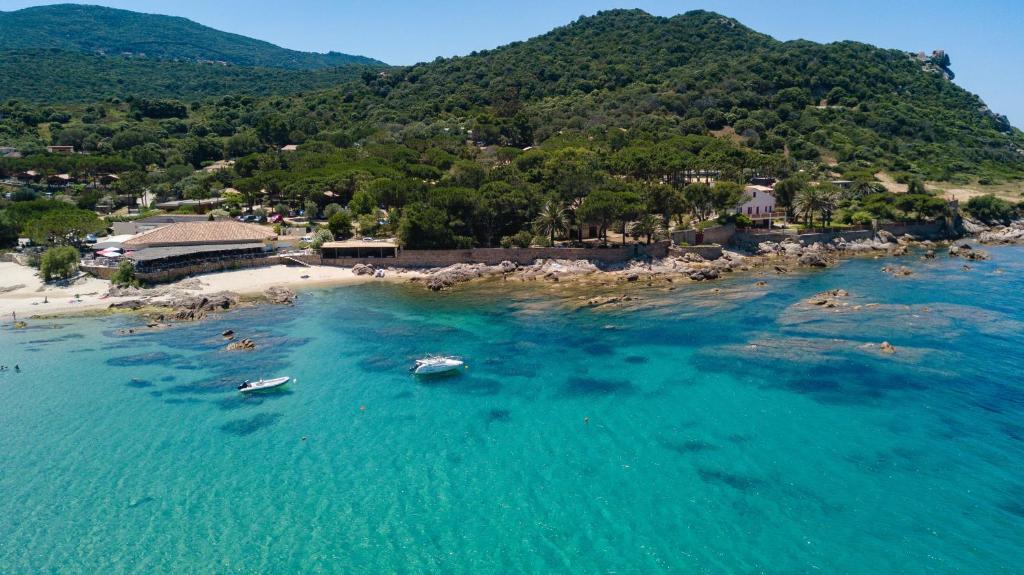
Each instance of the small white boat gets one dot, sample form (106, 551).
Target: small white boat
(263, 384)
(437, 364)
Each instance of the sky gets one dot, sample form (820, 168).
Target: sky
(984, 38)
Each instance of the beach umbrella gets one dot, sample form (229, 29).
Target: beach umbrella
(109, 253)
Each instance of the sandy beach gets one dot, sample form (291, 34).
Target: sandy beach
(23, 292)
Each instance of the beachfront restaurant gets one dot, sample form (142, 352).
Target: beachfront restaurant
(174, 257)
(358, 249)
(184, 244)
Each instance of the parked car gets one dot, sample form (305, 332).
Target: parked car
(306, 238)
(91, 238)
(248, 218)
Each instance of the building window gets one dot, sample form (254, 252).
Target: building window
(748, 210)
(755, 194)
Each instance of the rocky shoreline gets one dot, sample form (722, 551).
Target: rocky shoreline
(163, 305)
(780, 257)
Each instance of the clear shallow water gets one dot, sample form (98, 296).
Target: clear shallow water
(729, 432)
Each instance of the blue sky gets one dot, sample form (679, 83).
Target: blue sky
(984, 38)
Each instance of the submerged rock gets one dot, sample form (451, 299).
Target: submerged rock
(600, 301)
(827, 298)
(243, 345)
(131, 304)
(897, 270)
(886, 347)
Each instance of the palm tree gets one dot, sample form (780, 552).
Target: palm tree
(830, 197)
(859, 189)
(551, 220)
(648, 225)
(807, 201)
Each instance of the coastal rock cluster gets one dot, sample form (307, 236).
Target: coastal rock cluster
(280, 295)
(690, 265)
(820, 254)
(194, 307)
(1011, 234)
(557, 270)
(178, 303)
(441, 278)
(967, 252)
(996, 234)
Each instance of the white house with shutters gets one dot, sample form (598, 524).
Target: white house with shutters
(759, 201)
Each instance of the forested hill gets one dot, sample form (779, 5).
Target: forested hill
(700, 71)
(95, 29)
(70, 77)
(636, 89)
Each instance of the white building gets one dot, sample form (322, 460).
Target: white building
(758, 204)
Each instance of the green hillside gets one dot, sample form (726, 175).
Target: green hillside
(79, 77)
(845, 102)
(95, 29)
(602, 124)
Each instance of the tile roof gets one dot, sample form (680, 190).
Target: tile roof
(196, 233)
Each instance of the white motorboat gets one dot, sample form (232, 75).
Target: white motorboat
(263, 384)
(437, 364)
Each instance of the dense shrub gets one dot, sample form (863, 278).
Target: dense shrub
(58, 262)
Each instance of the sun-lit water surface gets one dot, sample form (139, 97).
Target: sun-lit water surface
(730, 431)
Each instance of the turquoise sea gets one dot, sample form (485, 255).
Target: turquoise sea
(730, 429)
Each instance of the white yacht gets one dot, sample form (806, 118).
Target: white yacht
(436, 364)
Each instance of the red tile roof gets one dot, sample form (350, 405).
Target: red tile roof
(198, 233)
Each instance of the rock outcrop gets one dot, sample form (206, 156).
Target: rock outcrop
(363, 269)
(967, 252)
(453, 275)
(280, 295)
(828, 298)
(194, 307)
(899, 271)
(242, 345)
(1011, 234)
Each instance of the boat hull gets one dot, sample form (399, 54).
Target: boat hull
(263, 385)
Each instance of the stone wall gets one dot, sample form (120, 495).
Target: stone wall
(714, 235)
(826, 237)
(494, 256)
(707, 252)
(931, 230)
(419, 259)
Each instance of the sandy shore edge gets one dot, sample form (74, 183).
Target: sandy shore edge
(22, 291)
